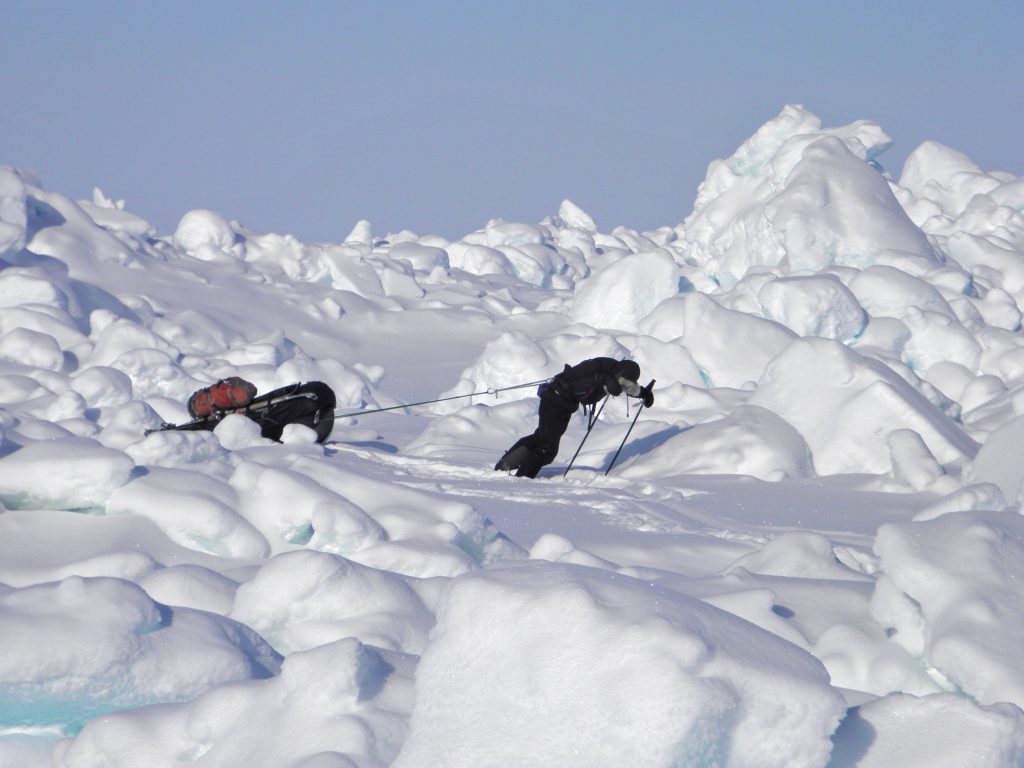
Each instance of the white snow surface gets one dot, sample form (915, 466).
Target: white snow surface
(808, 552)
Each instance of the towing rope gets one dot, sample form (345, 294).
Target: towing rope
(490, 391)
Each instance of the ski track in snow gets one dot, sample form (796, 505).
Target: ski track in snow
(618, 505)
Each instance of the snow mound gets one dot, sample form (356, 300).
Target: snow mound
(108, 647)
(750, 441)
(944, 176)
(291, 509)
(208, 236)
(338, 686)
(798, 555)
(67, 473)
(624, 292)
(964, 574)
(814, 306)
(732, 348)
(998, 461)
(796, 197)
(13, 216)
(196, 512)
(300, 600)
(938, 731)
(845, 406)
(562, 665)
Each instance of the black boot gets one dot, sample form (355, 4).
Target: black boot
(530, 465)
(513, 458)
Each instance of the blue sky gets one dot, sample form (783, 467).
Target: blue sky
(304, 117)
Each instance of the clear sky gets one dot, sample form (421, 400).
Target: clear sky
(304, 117)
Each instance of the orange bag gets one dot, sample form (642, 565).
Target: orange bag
(226, 394)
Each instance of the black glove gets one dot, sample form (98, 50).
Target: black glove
(648, 396)
(612, 386)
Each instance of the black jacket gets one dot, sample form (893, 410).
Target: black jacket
(589, 381)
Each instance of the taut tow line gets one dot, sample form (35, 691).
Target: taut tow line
(489, 391)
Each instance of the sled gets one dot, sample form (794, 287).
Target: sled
(311, 404)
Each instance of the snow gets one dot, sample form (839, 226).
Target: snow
(68, 473)
(664, 678)
(942, 730)
(809, 551)
(86, 646)
(623, 293)
(964, 571)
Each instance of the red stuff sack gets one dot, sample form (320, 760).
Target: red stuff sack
(232, 392)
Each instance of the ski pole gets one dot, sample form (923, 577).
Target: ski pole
(612, 464)
(590, 426)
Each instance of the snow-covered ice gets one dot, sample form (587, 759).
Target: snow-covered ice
(809, 552)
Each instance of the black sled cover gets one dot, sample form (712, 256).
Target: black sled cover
(311, 404)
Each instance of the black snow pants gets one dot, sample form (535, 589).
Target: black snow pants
(539, 449)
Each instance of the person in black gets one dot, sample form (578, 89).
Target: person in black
(583, 384)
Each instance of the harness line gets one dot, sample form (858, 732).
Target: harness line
(490, 391)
